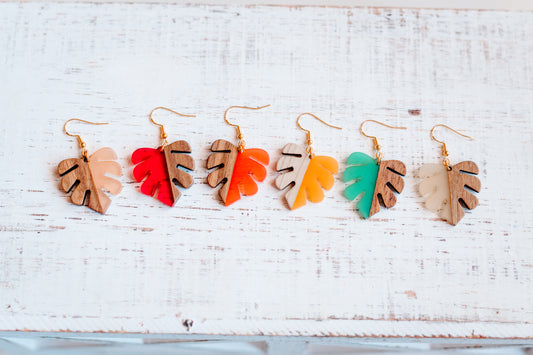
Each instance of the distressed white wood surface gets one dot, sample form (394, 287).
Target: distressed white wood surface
(257, 268)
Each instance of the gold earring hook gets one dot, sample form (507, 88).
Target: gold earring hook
(446, 161)
(163, 133)
(308, 132)
(379, 155)
(78, 137)
(239, 133)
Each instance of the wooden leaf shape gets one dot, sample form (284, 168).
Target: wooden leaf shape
(160, 170)
(445, 190)
(235, 170)
(376, 182)
(308, 176)
(390, 180)
(88, 179)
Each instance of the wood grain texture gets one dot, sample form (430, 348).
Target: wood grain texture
(176, 156)
(460, 177)
(254, 268)
(389, 180)
(292, 165)
(223, 161)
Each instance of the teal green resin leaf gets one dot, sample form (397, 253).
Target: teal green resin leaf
(364, 170)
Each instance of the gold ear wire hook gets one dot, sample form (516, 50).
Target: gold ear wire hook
(163, 133)
(239, 133)
(379, 155)
(78, 137)
(445, 161)
(308, 132)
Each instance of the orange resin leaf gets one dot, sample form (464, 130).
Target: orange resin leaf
(235, 170)
(248, 166)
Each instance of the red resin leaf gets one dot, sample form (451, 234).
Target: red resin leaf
(152, 166)
(249, 165)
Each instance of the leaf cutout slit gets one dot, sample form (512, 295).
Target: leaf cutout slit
(395, 171)
(467, 172)
(466, 186)
(74, 185)
(86, 197)
(222, 182)
(74, 167)
(390, 186)
(286, 170)
(462, 203)
(380, 200)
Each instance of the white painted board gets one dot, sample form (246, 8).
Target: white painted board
(257, 268)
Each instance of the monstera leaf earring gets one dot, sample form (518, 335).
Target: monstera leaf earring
(159, 169)
(86, 177)
(234, 167)
(448, 188)
(375, 179)
(305, 173)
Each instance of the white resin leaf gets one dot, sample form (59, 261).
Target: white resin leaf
(436, 190)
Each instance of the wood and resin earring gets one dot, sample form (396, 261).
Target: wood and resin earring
(159, 168)
(446, 188)
(305, 173)
(234, 167)
(86, 176)
(374, 178)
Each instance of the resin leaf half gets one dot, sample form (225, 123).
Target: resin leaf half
(364, 170)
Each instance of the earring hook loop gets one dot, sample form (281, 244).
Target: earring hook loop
(308, 132)
(379, 154)
(239, 132)
(163, 134)
(77, 136)
(445, 153)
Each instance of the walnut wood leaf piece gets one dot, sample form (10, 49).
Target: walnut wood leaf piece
(160, 173)
(376, 182)
(236, 171)
(307, 175)
(445, 190)
(88, 179)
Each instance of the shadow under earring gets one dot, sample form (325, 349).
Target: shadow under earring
(86, 176)
(305, 173)
(448, 188)
(159, 169)
(234, 167)
(375, 179)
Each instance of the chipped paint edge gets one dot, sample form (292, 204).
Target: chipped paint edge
(299, 328)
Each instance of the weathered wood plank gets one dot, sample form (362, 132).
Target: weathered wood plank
(253, 267)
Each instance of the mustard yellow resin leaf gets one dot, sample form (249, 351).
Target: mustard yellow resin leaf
(307, 175)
